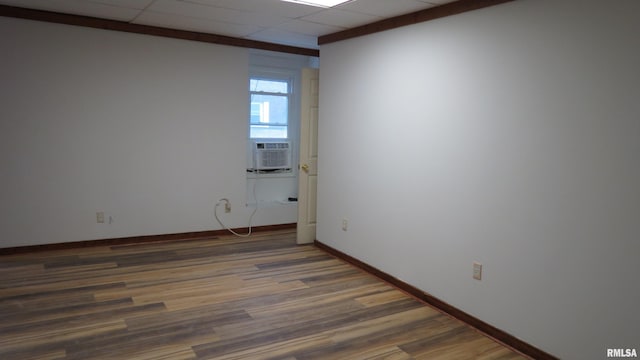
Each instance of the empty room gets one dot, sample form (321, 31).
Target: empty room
(276, 179)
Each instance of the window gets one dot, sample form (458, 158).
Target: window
(269, 108)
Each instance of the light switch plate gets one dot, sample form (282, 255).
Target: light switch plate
(477, 271)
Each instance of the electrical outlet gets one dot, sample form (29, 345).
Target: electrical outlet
(477, 270)
(227, 207)
(345, 224)
(100, 217)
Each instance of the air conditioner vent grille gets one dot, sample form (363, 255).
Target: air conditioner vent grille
(271, 156)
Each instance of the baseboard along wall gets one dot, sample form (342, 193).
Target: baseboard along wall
(139, 239)
(501, 336)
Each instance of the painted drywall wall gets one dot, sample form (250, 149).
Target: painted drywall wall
(151, 131)
(508, 136)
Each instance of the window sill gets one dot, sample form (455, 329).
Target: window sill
(271, 175)
(271, 203)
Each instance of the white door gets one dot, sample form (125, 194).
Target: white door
(308, 168)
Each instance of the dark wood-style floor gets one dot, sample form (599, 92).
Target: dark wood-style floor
(262, 297)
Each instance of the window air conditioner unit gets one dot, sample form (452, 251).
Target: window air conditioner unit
(271, 156)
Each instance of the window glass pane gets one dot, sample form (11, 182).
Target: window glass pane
(269, 109)
(268, 131)
(272, 86)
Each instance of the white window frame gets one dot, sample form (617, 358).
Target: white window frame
(292, 77)
(275, 75)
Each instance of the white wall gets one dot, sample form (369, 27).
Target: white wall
(508, 136)
(150, 130)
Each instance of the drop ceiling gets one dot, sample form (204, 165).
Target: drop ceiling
(272, 21)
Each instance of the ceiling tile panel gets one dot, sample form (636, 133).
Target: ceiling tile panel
(265, 20)
(277, 7)
(226, 15)
(308, 28)
(384, 8)
(133, 4)
(195, 24)
(341, 18)
(78, 7)
(183, 8)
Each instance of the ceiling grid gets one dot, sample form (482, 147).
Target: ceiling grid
(272, 21)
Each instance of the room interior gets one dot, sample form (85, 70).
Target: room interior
(506, 136)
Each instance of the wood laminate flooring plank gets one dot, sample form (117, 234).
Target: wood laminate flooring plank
(261, 297)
